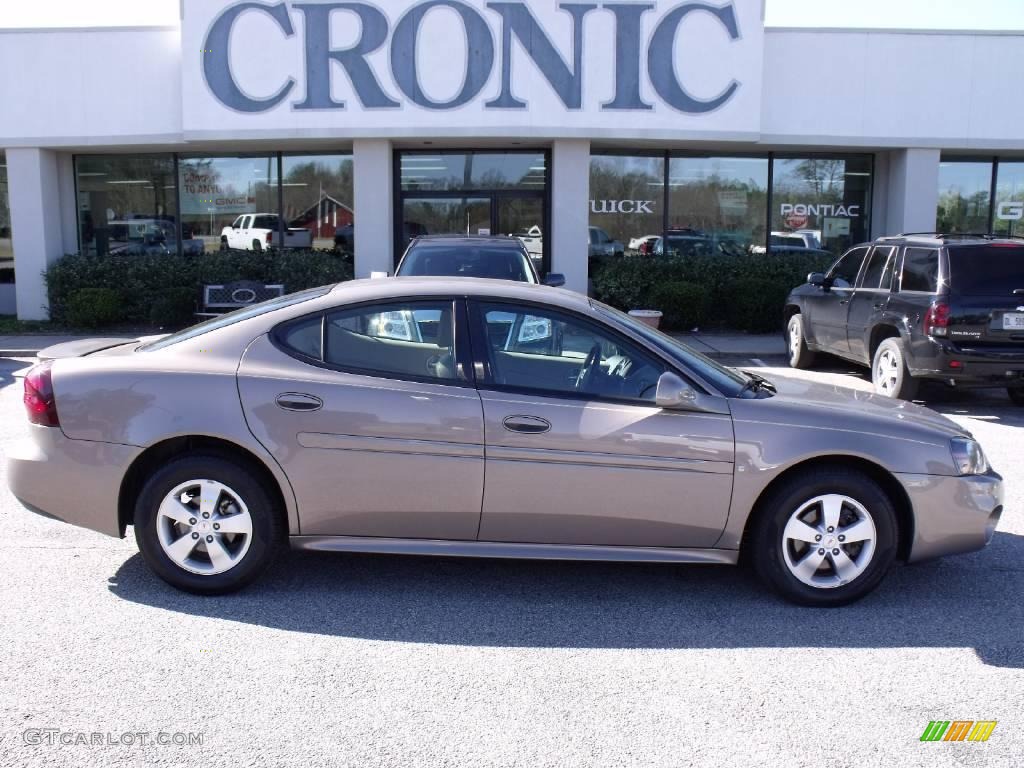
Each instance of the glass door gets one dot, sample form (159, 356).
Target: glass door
(522, 217)
(445, 216)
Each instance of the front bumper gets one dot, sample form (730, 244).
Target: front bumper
(952, 514)
(76, 481)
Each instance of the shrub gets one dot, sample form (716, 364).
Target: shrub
(95, 308)
(162, 289)
(744, 292)
(684, 305)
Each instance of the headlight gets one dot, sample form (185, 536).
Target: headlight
(968, 457)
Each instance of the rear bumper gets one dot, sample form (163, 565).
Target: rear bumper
(995, 367)
(75, 481)
(952, 514)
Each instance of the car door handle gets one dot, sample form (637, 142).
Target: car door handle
(527, 425)
(296, 401)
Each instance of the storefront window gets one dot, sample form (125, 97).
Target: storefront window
(229, 193)
(126, 204)
(716, 205)
(964, 191)
(820, 202)
(453, 171)
(1009, 218)
(318, 196)
(6, 249)
(627, 204)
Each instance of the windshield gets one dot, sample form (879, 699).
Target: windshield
(467, 260)
(986, 270)
(254, 310)
(728, 381)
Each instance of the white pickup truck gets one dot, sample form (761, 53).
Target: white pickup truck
(256, 231)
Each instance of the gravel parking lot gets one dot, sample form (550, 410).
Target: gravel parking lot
(379, 660)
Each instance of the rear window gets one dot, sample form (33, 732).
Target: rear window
(920, 270)
(499, 262)
(986, 270)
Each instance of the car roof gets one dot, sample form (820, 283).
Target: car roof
(470, 287)
(939, 239)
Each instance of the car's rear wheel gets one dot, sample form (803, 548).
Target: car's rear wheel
(206, 525)
(800, 356)
(826, 537)
(257, 246)
(889, 372)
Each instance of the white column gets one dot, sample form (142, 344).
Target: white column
(913, 191)
(36, 225)
(374, 218)
(570, 194)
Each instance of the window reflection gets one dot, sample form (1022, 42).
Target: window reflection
(6, 248)
(627, 203)
(318, 196)
(820, 202)
(436, 171)
(716, 206)
(126, 204)
(1009, 213)
(218, 193)
(964, 191)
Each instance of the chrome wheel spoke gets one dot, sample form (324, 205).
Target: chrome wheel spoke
(180, 549)
(806, 568)
(173, 509)
(800, 531)
(240, 523)
(209, 495)
(219, 556)
(831, 507)
(846, 569)
(859, 531)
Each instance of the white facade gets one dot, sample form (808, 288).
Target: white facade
(676, 76)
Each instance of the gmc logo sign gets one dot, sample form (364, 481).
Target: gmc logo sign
(1010, 211)
(498, 37)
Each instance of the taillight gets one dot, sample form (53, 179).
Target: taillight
(39, 400)
(936, 320)
(270, 237)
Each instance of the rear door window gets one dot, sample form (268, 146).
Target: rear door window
(875, 271)
(844, 273)
(920, 270)
(986, 270)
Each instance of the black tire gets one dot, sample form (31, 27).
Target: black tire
(257, 246)
(800, 356)
(268, 530)
(889, 373)
(223, 243)
(1016, 395)
(767, 542)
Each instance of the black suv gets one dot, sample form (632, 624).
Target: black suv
(919, 306)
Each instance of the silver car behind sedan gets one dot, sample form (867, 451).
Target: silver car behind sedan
(485, 418)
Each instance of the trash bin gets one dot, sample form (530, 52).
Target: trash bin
(651, 317)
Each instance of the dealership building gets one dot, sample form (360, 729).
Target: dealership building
(584, 127)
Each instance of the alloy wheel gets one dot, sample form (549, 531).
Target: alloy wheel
(829, 541)
(204, 527)
(794, 340)
(887, 372)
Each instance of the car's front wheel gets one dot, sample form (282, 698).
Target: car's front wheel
(889, 373)
(1016, 395)
(825, 537)
(800, 356)
(206, 525)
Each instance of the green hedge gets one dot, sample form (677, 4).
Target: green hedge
(164, 290)
(742, 293)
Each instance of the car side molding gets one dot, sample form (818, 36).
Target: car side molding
(497, 549)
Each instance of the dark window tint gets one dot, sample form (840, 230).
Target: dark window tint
(876, 268)
(986, 270)
(305, 337)
(265, 222)
(535, 349)
(404, 340)
(844, 272)
(501, 262)
(920, 270)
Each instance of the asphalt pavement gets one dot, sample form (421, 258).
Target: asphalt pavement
(383, 660)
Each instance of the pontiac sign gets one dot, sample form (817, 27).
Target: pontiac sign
(570, 65)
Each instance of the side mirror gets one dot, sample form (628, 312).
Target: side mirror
(817, 278)
(674, 393)
(554, 279)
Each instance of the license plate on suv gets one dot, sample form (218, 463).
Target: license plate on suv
(1013, 321)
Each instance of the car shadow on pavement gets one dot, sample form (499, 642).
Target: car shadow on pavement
(968, 601)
